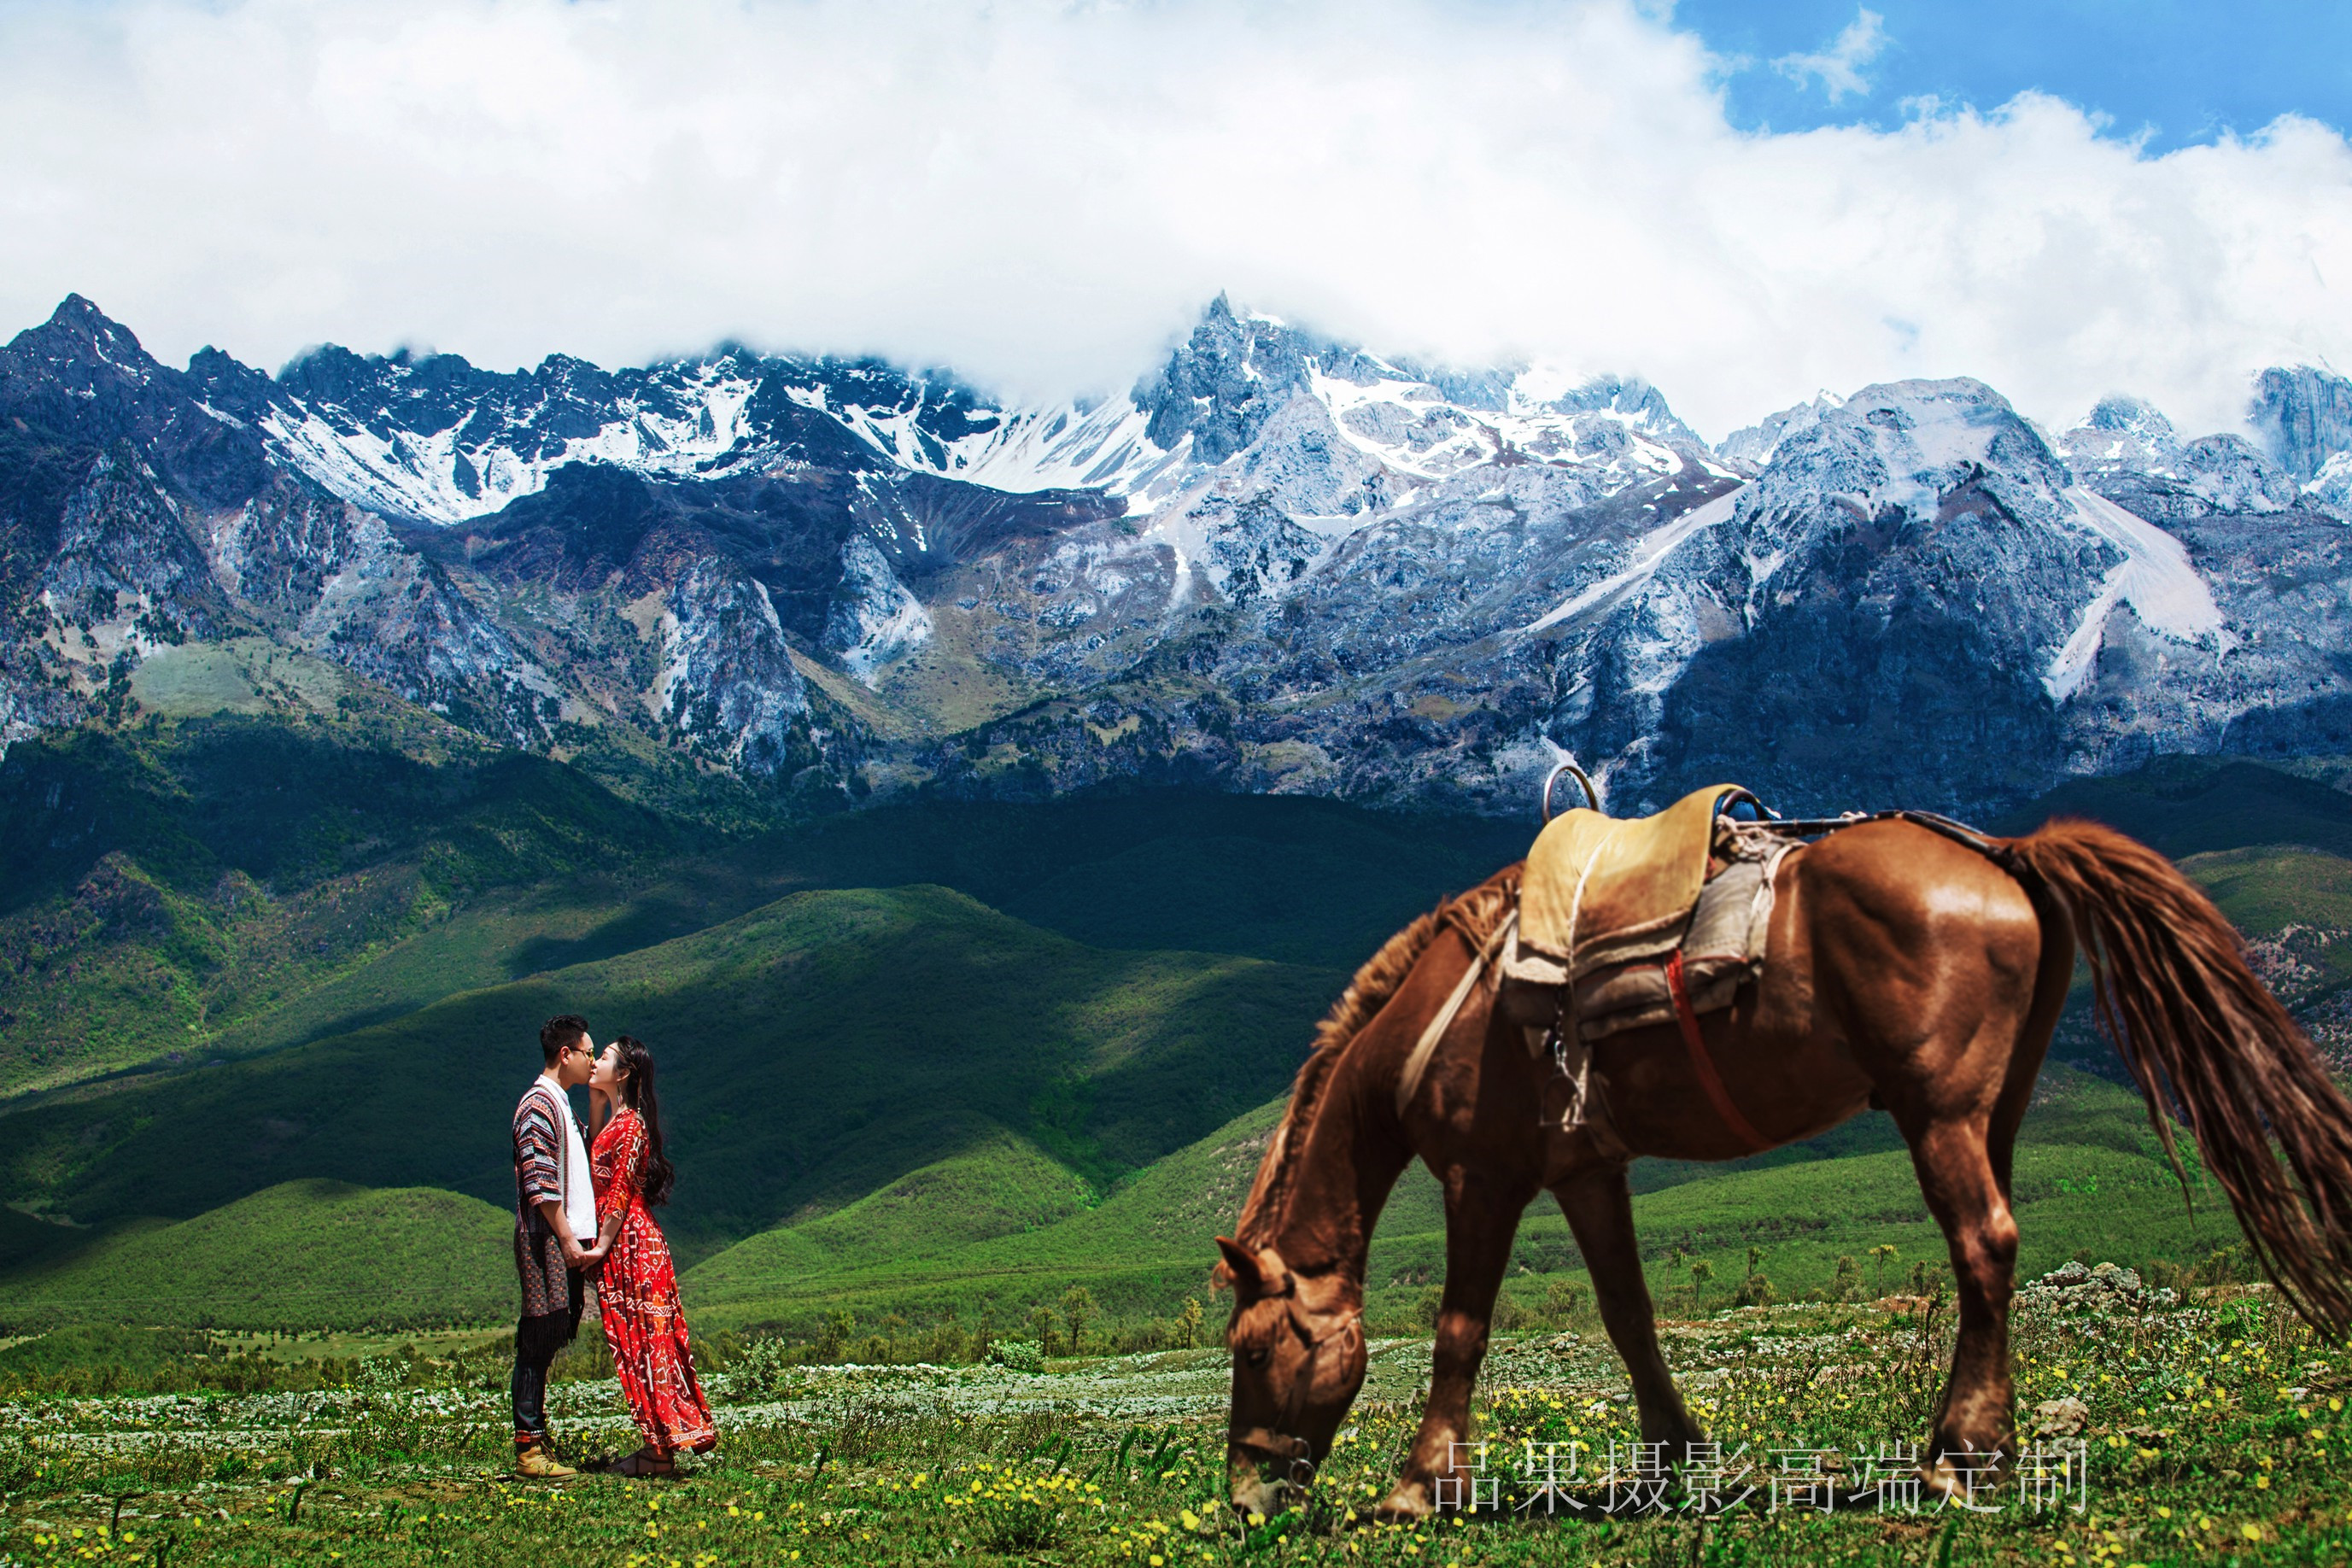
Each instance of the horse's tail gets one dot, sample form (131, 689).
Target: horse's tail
(2197, 1028)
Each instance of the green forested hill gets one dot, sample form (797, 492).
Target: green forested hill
(811, 1050)
(206, 888)
(308, 1254)
(935, 1053)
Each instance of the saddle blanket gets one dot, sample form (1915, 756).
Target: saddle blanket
(1722, 950)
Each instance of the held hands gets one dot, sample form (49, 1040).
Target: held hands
(586, 1258)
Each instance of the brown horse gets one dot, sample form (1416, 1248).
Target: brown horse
(1904, 970)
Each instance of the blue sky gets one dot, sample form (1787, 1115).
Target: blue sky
(2179, 72)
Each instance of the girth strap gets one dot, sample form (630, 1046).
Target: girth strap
(1703, 1064)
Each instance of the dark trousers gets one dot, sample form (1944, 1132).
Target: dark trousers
(536, 1341)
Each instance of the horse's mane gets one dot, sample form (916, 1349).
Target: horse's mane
(1475, 914)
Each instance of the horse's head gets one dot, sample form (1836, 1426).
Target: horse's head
(1299, 1359)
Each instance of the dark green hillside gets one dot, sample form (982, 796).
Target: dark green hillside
(211, 886)
(24, 1239)
(998, 1187)
(160, 887)
(813, 1051)
(1299, 881)
(2188, 805)
(1146, 1246)
(306, 1254)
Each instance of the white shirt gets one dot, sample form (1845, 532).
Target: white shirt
(579, 1188)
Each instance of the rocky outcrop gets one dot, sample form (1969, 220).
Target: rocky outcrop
(2304, 416)
(727, 681)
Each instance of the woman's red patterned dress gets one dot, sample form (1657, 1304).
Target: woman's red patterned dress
(636, 1293)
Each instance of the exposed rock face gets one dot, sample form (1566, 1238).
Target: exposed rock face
(1279, 563)
(727, 681)
(2304, 416)
(875, 619)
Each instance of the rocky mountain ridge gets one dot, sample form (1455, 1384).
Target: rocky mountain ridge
(1278, 563)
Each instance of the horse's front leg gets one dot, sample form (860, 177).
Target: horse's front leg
(1481, 1219)
(1599, 1205)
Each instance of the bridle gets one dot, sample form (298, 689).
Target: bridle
(1276, 1444)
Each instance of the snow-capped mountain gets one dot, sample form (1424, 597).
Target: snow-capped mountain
(436, 440)
(1277, 562)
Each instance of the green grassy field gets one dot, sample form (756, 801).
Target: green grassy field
(938, 1062)
(2210, 1431)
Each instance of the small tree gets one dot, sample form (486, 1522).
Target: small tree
(1078, 1308)
(1755, 1261)
(1701, 1271)
(1848, 1283)
(833, 1338)
(1562, 1297)
(1190, 1322)
(1506, 1315)
(1880, 1256)
(1040, 1327)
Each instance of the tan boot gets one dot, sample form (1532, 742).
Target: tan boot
(536, 1464)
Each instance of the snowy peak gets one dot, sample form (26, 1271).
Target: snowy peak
(2126, 450)
(433, 438)
(2126, 433)
(1754, 446)
(1904, 445)
(80, 343)
(84, 379)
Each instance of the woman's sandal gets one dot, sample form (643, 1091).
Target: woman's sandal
(638, 1467)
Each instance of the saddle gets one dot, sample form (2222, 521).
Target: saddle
(1609, 905)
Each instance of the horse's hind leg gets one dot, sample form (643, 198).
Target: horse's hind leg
(1956, 1170)
(1599, 1209)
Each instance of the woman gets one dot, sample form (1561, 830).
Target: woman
(637, 1290)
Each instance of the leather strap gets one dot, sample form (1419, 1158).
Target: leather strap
(1703, 1064)
(1409, 1081)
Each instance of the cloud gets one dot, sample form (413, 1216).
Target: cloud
(1839, 66)
(1043, 193)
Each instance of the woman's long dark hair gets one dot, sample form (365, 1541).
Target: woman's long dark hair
(654, 1181)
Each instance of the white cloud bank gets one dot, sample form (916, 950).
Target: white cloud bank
(1042, 195)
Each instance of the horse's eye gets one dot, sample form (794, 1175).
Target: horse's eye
(1257, 1355)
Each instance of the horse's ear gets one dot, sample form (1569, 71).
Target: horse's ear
(1239, 1268)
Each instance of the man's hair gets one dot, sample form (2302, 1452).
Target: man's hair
(563, 1029)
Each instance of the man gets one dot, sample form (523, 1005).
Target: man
(555, 1229)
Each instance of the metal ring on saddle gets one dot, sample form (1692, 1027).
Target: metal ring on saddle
(1583, 782)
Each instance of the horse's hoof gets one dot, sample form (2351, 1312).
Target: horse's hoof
(1408, 1504)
